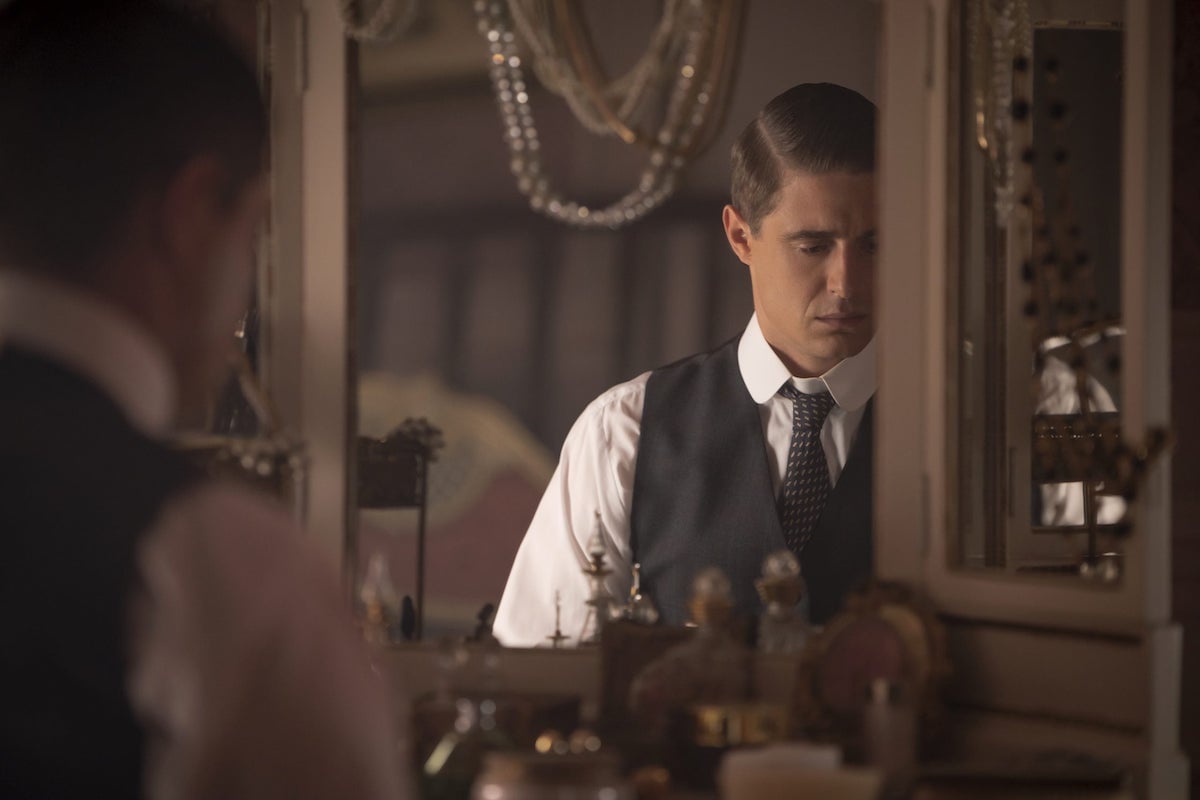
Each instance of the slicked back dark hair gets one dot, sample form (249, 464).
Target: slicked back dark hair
(815, 128)
(102, 102)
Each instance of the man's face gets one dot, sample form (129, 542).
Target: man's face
(812, 268)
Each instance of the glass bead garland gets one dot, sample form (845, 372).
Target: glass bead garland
(687, 112)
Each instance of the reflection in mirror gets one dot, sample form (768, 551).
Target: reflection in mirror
(498, 325)
(1038, 123)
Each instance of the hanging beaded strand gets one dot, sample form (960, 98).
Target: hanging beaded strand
(689, 107)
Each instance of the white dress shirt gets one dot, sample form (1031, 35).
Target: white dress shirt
(595, 475)
(245, 671)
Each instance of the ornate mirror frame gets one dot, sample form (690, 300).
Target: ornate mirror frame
(1020, 643)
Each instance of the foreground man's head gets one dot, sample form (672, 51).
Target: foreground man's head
(131, 153)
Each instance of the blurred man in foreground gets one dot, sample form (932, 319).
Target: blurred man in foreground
(160, 634)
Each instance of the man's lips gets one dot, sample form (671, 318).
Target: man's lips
(842, 318)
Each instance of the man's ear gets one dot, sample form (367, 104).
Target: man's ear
(192, 209)
(737, 231)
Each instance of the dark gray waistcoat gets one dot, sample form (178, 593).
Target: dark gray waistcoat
(78, 489)
(702, 494)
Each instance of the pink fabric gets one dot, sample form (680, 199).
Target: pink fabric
(245, 668)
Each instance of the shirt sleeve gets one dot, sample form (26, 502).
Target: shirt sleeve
(245, 670)
(594, 476)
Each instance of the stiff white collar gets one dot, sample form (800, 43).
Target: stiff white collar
(851, 381)
(90, 338)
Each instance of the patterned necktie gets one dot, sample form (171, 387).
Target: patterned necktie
(806, 482)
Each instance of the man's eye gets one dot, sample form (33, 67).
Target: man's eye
(814, 249)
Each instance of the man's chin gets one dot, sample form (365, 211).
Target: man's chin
(837, 347)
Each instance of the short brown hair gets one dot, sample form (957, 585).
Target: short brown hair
(104, 101)
(815, 128)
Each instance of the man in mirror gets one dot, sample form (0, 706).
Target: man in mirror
(162, 635)
(764, 443)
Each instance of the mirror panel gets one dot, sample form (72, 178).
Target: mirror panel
(499, 326)
(1036, 301)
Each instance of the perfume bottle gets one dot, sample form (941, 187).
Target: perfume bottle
(450, 770)
(890, 735)
(378, 606)
(640, 609)
(782, 627)
(456, 760)
(711, 667)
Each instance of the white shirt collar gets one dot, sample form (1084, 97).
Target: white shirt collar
(851, 381)
(93, 340)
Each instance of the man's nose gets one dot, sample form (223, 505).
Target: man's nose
(846, 269)
(838, 275)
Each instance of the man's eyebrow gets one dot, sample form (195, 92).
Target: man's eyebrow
(808, 234)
